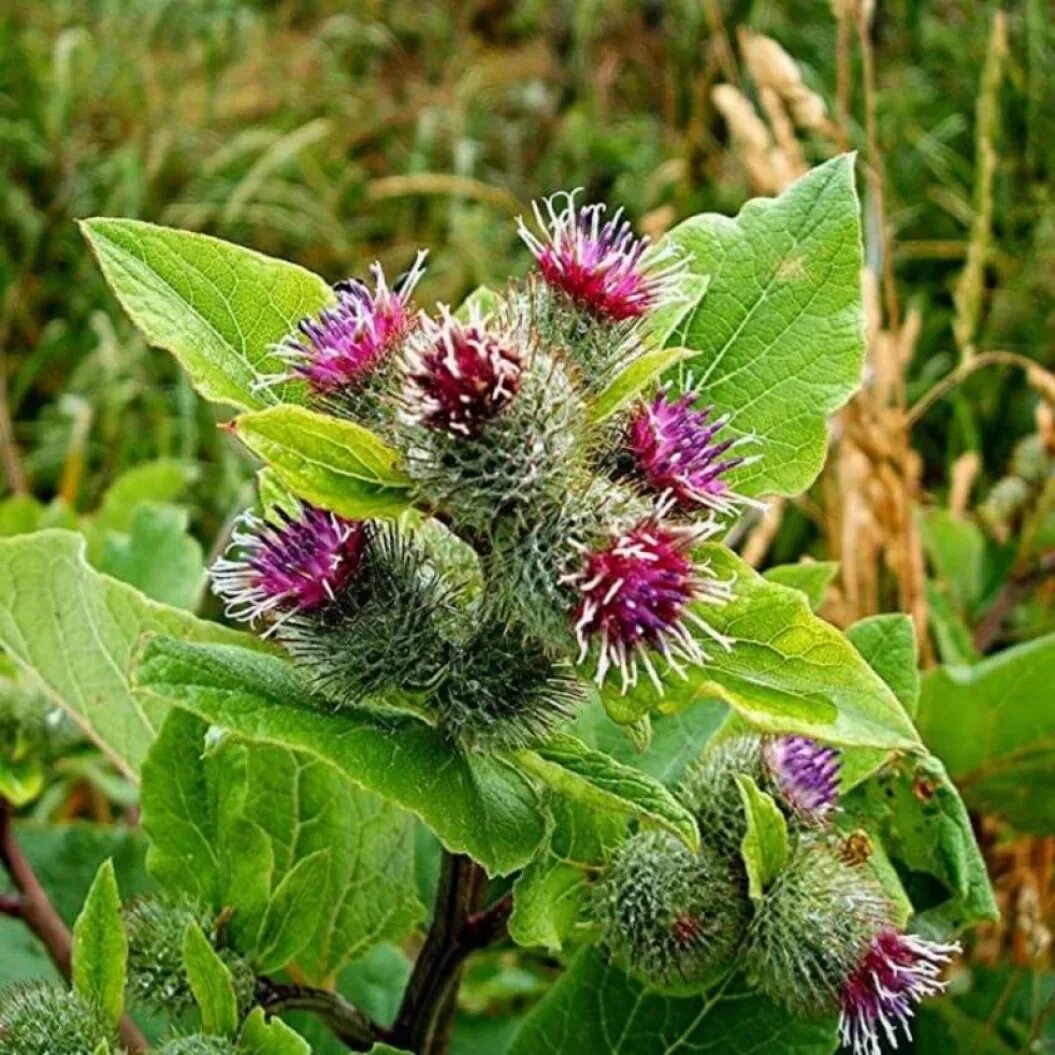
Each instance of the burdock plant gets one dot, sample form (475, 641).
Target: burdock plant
(489, 539)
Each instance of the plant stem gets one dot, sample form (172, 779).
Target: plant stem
(347, 1023)
(33, 906)
(459, 927)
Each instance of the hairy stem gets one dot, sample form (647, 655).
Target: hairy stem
(347, 1023)
(32, 905)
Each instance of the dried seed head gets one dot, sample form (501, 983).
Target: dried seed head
(287, 563)
(459, 376)
(668, 913)
(880, 996)
(636, 594)
(676, 451)
(342, 346)
(601, 264)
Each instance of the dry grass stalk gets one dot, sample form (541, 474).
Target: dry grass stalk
(970, 288)
(964, 473)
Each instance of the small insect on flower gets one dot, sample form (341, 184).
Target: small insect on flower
(458, 375)
(602, 265)
(342, 346)
(806, 774)
(896, 972)
(674, 448)
(636, 594)
(287, 563)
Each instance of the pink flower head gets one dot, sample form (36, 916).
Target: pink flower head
(637, 593)
(896, 972)
(806, 772)
(600, 264)
(674, 448)
(343, 345)
(286, 564)
(460, 376)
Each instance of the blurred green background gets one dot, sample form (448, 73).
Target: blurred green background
(335, 133)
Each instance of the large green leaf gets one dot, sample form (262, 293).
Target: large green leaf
(779, 335)
(231, 823)
(916, 811)
(550, 895)
(787, 670)
(476, 804)
(219, 308)
(595, 1009)
(78, 630)
(993, 724)
(332, 463)
(811, 577)
(100, 947)
(157, 556)
(887, 643)
(599, 781)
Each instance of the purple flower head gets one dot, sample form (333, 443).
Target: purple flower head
(600, 264)
(896, 972)
(675, 449)
(806, 772)
(636, 593)
(287, 563)
(459, 376)
(343, 345)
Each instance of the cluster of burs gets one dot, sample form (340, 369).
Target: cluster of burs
(820, 939)
(553, 524)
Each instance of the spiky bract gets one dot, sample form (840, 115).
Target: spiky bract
(598, 262)
(39, 1018)
(339, 350)
(677, 453)
(879, 998)
(527, 454)
(806, 773)
(668, 913)
(287, 562)
(812, 928)
(504, 691)
(382, 632)
(636, 598)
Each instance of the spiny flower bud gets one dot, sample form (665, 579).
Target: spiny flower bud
(344, 345)
(504, 691)
(801, 775)
(39, 1018)
(459, 376)
(674, 449)
(198, 1044)
(287, 563)
(381, 633)
(893, 975)
(806, 774)
(812, 929)
(601, 265)
(156, 927)
(668, 913)
(157, 978)
(636, 593)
